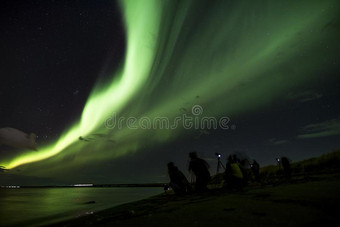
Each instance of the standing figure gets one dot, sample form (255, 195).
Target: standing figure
(200, 168)
(286, 167)
(244, 166)
(255, 168)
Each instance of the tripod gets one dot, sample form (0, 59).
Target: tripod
(219, 164)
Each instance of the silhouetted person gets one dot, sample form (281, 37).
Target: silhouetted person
(233, 177)
(255, 168)
(178, 182)
(200, 168)
(244, 166)
(286, 167)
(236, 159)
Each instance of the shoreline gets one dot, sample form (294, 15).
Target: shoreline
(146, 185)
(295, 203)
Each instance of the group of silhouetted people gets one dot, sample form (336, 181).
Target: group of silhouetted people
(199, 167)
(237, 173)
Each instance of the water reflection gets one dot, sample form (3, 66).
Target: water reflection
(46, 205)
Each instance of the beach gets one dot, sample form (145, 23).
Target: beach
(299, 202)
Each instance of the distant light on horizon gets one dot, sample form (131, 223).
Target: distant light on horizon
(83, 185)
(10, 186)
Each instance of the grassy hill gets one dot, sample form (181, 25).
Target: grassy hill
(325, 164)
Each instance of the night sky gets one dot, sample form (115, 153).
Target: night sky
(68, 67)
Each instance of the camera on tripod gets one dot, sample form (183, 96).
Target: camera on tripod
(218, 155)
(219, 163)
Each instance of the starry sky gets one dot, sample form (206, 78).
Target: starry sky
(68, 68)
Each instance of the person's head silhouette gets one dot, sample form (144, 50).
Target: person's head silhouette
(193, 155)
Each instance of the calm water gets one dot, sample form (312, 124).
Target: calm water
(32, 207)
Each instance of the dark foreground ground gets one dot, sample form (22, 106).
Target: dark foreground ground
(302, 202)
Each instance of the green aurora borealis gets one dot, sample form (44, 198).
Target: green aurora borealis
(230, 57)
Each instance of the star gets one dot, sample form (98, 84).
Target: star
(76, 92)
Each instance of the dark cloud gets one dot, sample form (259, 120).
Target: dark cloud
(321, 129)
(306, 96)
(275, 141)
